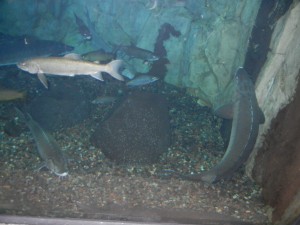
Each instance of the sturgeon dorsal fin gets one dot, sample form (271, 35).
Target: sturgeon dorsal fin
(73, 56)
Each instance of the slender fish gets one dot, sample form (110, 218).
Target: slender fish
(82, 28)
(136, 52)
(48, 148)
(246, 119)
(142, 80)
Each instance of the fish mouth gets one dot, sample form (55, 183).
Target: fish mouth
(22, 65)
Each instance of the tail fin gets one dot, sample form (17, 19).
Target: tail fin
(113, 69)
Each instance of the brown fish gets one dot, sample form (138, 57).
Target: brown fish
(98, 56)
(9, 95)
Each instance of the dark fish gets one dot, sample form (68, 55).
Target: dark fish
(142, 80)
(16, 49)
(246, 116)
(140, 53)
(97, 41)
(48, 148)
(9, 95)
(98, 56)
(82, 28)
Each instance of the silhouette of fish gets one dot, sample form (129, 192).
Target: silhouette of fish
(246, 116)
(82, 28)
(14, 49)
(48, 148)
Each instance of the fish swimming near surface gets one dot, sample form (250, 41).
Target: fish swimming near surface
(48, 148)
(104, 100)
(246, 116)
(9, 95)
(142, 80)
(82, 28)
(135, 52)
(70, 65)
(14, 49)
(98, 56)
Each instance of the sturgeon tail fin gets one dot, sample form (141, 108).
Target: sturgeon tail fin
(113, 69)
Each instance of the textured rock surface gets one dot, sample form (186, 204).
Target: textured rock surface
(278, 79)
(277, 164)
(213, 41)
(137, 132)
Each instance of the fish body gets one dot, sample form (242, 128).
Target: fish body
(48, 148)
(16, 49)
(246, 119)
(98, 56)
(141, 80)
(82, 28)
(104, 100)
(69, 66)
(140, 53)
(9, 95)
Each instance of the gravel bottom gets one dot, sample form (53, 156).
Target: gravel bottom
(98, 188)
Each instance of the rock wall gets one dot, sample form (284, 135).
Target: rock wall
(213, 41)
(276, 164)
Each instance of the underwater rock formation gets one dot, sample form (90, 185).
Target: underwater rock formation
(275, 159)
(137, 132)
(278, 163)
(203, 59)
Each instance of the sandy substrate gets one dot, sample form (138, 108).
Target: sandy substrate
(97, 188)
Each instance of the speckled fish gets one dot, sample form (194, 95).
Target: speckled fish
(141, 80)
(70, 65)
(98, 56)
(246, 116)
(48, 148)
(104, 100)
(9, 95)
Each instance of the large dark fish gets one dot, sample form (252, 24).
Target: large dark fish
(140, 53)
(246, 119)
(16, 49)
(83, 29)
(48, 148)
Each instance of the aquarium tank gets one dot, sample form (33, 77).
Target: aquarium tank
(150, 112)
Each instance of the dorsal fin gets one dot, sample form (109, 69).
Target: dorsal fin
(72, 56)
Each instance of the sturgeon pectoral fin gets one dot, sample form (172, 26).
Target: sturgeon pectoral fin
(43, 79)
